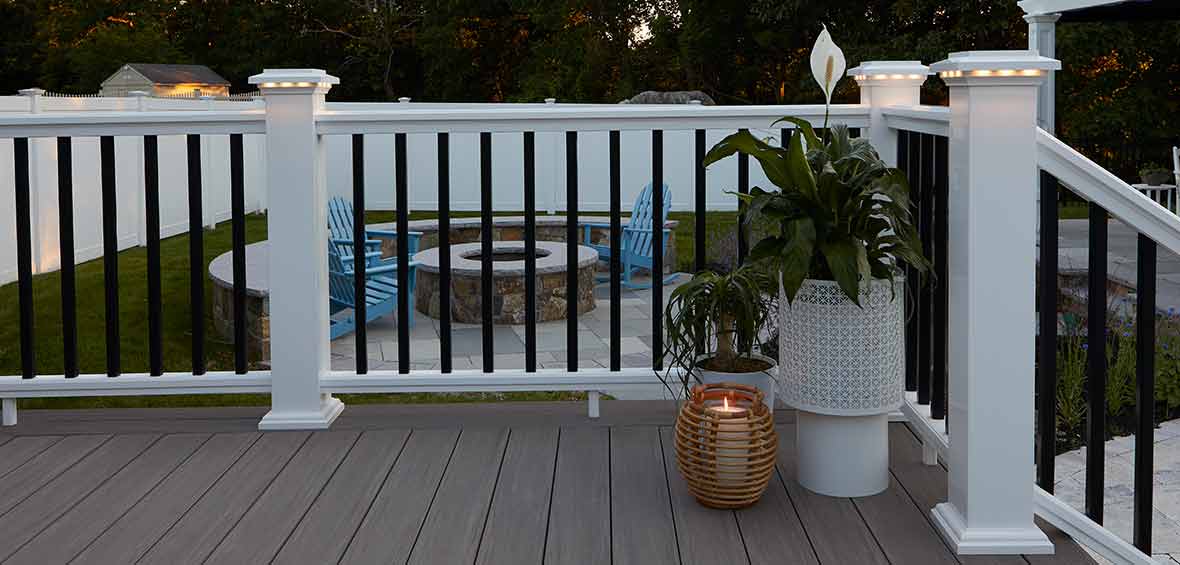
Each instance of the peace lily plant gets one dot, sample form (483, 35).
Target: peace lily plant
(845, 234)
(843, 214)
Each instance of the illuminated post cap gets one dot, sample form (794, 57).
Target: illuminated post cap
(1017, 65)
(278, 81)
(872, 73)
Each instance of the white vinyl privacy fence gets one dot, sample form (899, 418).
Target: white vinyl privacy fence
(508, 174)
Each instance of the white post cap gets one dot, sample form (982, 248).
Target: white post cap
(294, 81)
(31, 91)
(403, 100)
(898, 73)
(995, 67)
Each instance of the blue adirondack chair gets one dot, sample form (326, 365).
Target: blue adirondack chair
(340, 225)
(380, 293)
(636, 246)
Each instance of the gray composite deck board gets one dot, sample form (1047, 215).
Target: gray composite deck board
(834, 525)
(392, 523)
(264, 529)
(519, 515)
(73, 531)
(324, 534)
(1067, 550)
(772, 530)
(580, 513)
(904, 534)
(25, 480)
(197, 534)
(16, 452)
(487, 484)
(456, 519)
(926, 486)
(642, 527)
(35, 513)
(131, 536)
(706, 536)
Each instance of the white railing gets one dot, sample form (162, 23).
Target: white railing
(934, 120)
(989, 450)
(1098, 185)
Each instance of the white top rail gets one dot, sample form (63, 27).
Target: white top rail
(1100, 186)
(505, 118)
(94, 124)
(934, 120)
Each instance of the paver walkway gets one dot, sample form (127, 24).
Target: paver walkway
(1122, 266)
(1119, 494)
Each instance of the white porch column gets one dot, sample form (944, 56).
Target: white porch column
(992, 262)
(298, 235)
(1042, 39)
(888, 83)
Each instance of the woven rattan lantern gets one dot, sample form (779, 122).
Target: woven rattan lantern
(726, 444)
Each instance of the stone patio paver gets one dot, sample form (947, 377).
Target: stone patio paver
(1119, 491)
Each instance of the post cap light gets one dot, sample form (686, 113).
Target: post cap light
(889, 72)
(277, 81)
(1019, 66)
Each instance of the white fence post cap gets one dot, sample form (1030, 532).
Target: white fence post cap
(1024, 63)
(295, 81)
(897, 73)
(31, 91)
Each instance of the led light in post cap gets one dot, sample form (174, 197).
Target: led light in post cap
(989, 64)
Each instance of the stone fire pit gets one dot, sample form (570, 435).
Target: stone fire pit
(508, 282)
(221, 272)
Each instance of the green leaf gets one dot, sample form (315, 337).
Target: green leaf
(848, 261)
(772, 159)
(798, 168)
(796, 253)
(803, 126)
(767, 248)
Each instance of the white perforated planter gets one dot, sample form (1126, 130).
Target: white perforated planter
(843, 367)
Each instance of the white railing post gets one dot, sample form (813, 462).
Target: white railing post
(8, 412)
(883, 84)
(298, 235)
(992, 333)
(1042, 38)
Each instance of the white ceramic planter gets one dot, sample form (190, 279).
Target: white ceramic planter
(762, 380)
(843, 367)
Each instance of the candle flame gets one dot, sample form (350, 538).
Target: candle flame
(725, 401)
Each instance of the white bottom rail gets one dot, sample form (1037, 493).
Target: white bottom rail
(135, 384)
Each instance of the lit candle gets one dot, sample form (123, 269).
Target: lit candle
(733, 443)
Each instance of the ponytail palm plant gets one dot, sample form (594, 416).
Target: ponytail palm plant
(715, 320)
(842, 213)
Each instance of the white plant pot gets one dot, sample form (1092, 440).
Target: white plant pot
(762, 380)
(843, 367)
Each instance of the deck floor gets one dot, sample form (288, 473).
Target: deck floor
(511, 483)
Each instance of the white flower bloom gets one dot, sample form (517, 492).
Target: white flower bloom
(827, 63)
